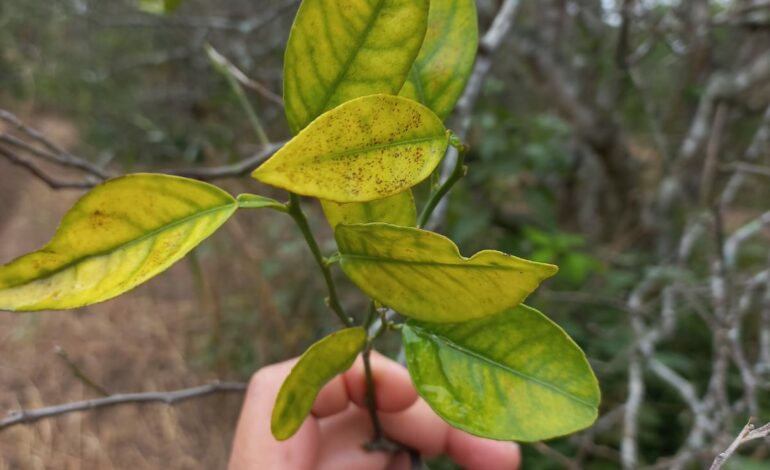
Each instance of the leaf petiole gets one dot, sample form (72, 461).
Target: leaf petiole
(458, 172)
(295, 211)
(255, 201)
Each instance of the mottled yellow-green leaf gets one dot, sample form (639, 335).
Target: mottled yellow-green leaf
(118, 235)
(422, 275)
(396, 210)
(320, 363)
(441, 70)
(513, 376)
(343, 49)
(368, 148)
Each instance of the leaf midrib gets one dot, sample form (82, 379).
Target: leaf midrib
(452, 345)
(123, 246)
(462, 263)
(353, 54)
(358, 150)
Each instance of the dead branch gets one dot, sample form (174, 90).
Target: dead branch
(30, 416)
(748, 433)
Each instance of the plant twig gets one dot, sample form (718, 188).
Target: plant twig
(748, 168)
(296, 213)
(458, 172)
(78, 373)
(239, 168)
(176, 396)
(222, 65)
(748, 433)
(53, 183)
(371, 399)
(52, 152)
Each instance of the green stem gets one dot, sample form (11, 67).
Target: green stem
(458, 172)
(295, 211)
(370, 315)
(380, 442)
(371, 400)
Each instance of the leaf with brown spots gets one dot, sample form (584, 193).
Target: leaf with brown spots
(118, 235)
(422, 275)
(366, 149)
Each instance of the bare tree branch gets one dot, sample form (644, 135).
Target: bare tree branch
(722, 86)
(52, 152)
(748, 433)
(238, 168)
(52, 182)
(30, 416)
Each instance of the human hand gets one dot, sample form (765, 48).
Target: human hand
(332, 437)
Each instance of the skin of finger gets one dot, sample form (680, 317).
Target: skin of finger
(332, 399)
(417, 427)
(254, 446)
(392, 384)
(476, 453)
(400, 461)
(420, 428)
(342, 439)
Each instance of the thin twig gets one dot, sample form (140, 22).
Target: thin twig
(33, 415)
(78, 373)
(236, 169)
(748, 433)
(222, 65)
(52, 182)
(54, 153)
(747, 168)
(296, 213)
(371, 399)
(457, 174)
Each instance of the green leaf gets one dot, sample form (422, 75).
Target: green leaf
(422, 275)
(118, 235)
(159, 7)
(320, 363)
(396, 210)
(338, 51)
(441, 70)
(513, 376)
(255, 201)
(368, 148)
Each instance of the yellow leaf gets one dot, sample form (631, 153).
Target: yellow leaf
(322, 361)
(396, 210)
(441, 70)
(340, 50)
(117, 236)
(368, 148)
(422, 275)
